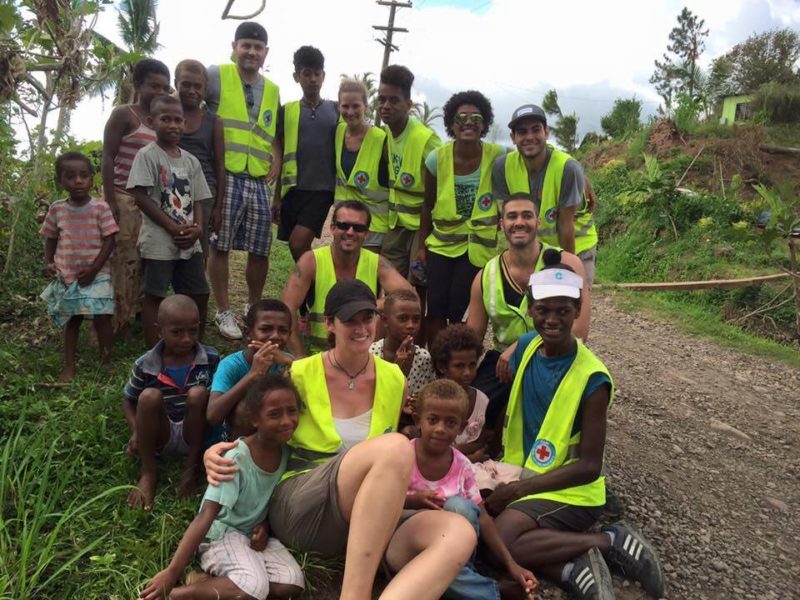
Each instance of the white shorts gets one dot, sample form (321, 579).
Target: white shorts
(249, 570)
(175, 444)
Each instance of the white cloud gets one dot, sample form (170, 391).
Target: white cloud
(512, 50)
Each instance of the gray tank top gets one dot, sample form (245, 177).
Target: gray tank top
(201, 143)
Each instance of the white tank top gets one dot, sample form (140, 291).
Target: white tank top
(354, 430)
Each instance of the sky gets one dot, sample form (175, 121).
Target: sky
(511, 50)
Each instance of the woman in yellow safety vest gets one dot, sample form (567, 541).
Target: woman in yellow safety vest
(459, 215)
(555, 434)
(346, 480)
(361, 161)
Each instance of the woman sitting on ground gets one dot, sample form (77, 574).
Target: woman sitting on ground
(346, 481)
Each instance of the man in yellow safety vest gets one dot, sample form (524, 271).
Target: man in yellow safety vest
(247, 103)
(555, 434)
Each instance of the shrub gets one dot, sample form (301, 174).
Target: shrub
(780, 101)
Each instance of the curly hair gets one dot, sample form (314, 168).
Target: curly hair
(308, 57)
(443, 389)
(473, 97)
(189, 65)
(451, 339)
(265, 305)
(398, 76)
(71, 156)
(261, 389)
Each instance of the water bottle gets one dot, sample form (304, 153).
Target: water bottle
(420, 272)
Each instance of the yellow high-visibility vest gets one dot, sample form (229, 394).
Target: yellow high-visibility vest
(518, 182)
(508, 322)
(555, 445)
(452, 234)
(315, 441)
(406, 190)
(248, 144)
(363, 184)
(325, 279)
(291, 129)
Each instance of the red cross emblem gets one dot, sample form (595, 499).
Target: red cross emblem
(543, 453)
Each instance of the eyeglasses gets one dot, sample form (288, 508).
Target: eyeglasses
(344, 226)
(464, 118)
(248, 95)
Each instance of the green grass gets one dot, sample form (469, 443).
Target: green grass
(701, 321)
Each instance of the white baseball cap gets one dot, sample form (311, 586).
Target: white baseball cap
(550, 283)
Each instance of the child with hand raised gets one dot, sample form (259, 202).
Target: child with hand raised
(79, 237)
(231, 531)
(443, 479)
(268, 324)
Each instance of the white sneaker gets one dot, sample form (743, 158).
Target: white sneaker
(227, 325)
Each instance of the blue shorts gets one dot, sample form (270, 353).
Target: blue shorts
(246, 220)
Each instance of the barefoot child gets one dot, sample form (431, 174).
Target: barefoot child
(166, 396)
(230, 532)
(79, 237)
(443, 478)
(169, 188)
(268, 324)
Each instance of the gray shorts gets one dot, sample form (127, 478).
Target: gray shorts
(186, 276)
(374, 240)
(304, 511)
(400, 246)
(589, 259)
(550, 514)
(250, 570)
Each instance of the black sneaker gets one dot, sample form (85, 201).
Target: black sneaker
(590, 578)
(633, 557)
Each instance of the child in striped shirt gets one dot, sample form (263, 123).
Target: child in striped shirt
(79, 237)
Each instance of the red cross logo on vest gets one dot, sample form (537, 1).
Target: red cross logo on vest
(543, 453)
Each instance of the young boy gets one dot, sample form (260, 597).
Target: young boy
(268, 324)
(307, 130)
(127, 131)
(401, 318)
(169, 187)
(165, 399)
(202, 137)
(443, 478)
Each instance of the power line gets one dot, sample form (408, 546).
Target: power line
(389, 30)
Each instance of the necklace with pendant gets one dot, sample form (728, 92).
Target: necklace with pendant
(351, 383)
(313, 108)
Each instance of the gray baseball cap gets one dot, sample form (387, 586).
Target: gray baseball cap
(528, 111)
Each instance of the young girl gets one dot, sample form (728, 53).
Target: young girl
(79, 236)
(443, 478)
(231, 532)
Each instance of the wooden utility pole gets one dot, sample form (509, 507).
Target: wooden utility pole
(389, 30)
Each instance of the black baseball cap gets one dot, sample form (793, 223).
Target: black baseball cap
(348, 297)
(250, 30)
(528, 111)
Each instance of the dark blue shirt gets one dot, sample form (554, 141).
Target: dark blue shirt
(540, 381)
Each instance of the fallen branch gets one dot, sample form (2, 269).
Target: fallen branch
(719, 284)
(691, 164)
(773, 149)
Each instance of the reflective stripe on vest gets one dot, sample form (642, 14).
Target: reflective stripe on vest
(452, 234)
(315, 441)
(291, 130)
(555, 445)
(508, 322)
(324, 280)
(518, 182)
(363, 184)
(248, 144)
(407, 188)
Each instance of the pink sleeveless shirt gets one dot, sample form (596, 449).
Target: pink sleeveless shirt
(128, 147)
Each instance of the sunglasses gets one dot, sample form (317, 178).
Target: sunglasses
(344, 226)
(248, 97)
(464, 118)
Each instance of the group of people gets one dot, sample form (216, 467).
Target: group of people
(400, 453)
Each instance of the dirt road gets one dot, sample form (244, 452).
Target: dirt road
(704, 449)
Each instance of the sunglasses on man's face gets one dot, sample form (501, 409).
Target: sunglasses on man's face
(474, 118)
(344, 226)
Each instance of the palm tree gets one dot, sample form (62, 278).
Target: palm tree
(425, 113)
(139, 30)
